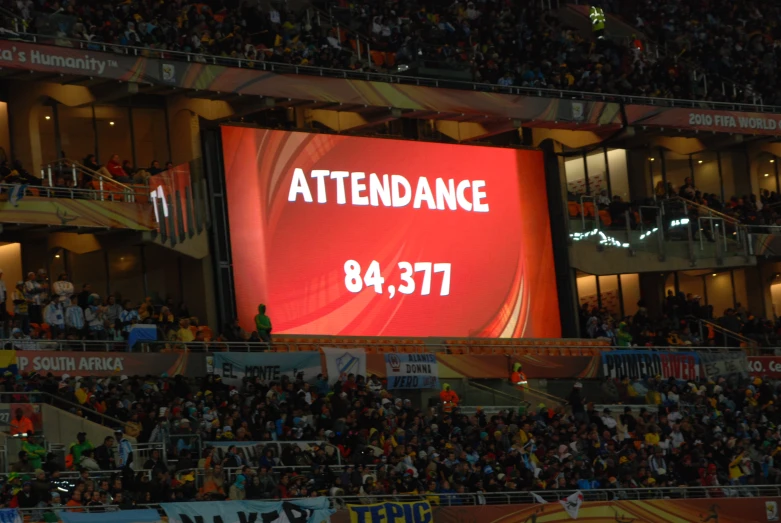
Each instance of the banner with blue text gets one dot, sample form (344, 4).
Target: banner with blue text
(309, 510)
(392, 512)
(411, 371)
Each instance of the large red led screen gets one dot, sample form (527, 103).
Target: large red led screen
(343, 235)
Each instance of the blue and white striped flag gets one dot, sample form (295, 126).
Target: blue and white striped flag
(10, 515)
(16, 194)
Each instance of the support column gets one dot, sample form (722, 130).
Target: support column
(565, 280)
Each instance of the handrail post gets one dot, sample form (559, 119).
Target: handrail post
(50, 176)
(101, 189)
(75, 177)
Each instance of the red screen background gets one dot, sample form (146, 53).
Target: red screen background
(291, 255)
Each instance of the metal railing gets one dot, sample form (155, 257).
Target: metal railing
(75, 171)
(61, 403)
(476, 346)
(280, 68)
(500, 498)
(659, 229)
(75, 193)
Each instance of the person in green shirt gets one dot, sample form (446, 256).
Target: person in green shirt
(79, 447)
(35, 453)
(263, 324)
(623, 336)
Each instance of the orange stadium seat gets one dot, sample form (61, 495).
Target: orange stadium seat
(605, 218)
(574, 209)
(588, 209)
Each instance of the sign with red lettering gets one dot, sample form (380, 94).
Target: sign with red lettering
(648, 364)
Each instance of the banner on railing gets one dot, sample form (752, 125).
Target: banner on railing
(714, 510)
(343, 362)
(309, 510)
(233, 367)
(78, 213)
(724, 364)
(10, 515)
(392, 512)
(8, 362)
(121, 516)
(110, 363)
(412, 371)
(643, 363)
(704, 120)
(764, 366)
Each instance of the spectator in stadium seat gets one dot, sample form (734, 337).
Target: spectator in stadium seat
(127, 167)
(23, 465)
(20, 175)
(234, 332)
(86, 290)
(21, 424)
(263, 324)
(75, 501)
(154, 168)
(35, 452)
(21, 308)
(577, 402)
(112, 311)
(63, 289)
(54, 315)
(94, 316)
(114, 170)
(237, 490)
(34, 294)
(26, 498)
(104, 454)
(78, 448)
(127, 318)
(91, 162)
(74, 318)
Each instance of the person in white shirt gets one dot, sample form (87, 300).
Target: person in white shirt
(54, 315)
(608, 420)
(93, 315)
(62, 289)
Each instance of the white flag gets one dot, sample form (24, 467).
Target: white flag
(572, 504)
(538, 498)
(16, 194)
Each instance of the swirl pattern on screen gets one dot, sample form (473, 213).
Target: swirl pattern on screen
(353, 236)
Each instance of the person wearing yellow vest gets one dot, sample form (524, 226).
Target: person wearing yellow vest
(449, 399)
(518, 377)
(597, 16)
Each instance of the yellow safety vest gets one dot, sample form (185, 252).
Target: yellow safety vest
(597, 17)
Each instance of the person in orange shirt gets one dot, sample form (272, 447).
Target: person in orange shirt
(518, 377)
(75, 501)
(21, 424)
(449, 399)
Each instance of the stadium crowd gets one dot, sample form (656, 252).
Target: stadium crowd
(679, 325)
(726, 39)
(511, 44)
(45, 311)
(362, 441)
